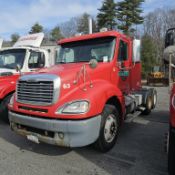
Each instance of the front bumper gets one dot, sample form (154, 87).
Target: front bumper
(68, 133)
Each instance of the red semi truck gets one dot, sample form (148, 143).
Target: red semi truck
(27, 54)
(171, 144)
(86, 97)
(169, 56)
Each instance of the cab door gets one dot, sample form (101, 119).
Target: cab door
(124, 64)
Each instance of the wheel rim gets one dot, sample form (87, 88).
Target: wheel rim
(110, 128)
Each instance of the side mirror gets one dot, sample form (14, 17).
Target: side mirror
(18, 68)
(93, 63)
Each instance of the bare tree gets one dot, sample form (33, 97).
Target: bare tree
(83, 24)
(155, 25)
(170, 18)
(70, 27)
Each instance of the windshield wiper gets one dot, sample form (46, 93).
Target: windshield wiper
(79, 61)
(61, 62)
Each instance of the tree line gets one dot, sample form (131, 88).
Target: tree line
(122, 15)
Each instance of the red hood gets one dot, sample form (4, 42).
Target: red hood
(65, 71)
(7, 84)
(62, 69)
(9, 78)
(69, 72)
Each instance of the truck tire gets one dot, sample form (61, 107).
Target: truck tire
(148, 105)
(154, 98)
(4, 108)
(171, 154)
(109, 129)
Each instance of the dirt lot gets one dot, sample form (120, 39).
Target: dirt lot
(139, 150)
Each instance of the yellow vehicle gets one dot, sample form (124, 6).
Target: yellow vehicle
(157, 76)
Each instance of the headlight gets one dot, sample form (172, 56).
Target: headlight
(11, 101)
(76, 107)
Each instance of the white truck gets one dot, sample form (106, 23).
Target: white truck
(26, 55)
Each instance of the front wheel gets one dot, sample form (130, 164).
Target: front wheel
(171, 154)
(4, 108)
(109, 129)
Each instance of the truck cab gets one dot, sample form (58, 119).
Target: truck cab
(169, 57)
(86, 96)
(27, 55)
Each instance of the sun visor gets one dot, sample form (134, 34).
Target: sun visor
(33, 40)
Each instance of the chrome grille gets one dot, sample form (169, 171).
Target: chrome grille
(37, 90)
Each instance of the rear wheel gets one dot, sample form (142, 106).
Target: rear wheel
(148, 106)
(154, 98)
(109, 129)
(171, 154)
(4, 108)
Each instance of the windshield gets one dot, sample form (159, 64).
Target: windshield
(101, 49)
(10, 58)
(170, 38)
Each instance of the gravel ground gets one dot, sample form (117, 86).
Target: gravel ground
(139, 150)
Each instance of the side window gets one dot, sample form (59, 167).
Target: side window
(123, 51)
(36, 60)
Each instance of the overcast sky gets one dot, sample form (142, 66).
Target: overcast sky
(19, 15)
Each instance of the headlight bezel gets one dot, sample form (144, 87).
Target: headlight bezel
(61, 110)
